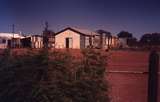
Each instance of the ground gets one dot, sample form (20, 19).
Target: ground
(127, 74)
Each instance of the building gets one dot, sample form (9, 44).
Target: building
(67, 38)
(36, 41)
(32, 41)
(79, 38)
(10, 40)
(112, 42)
(74, 38)
(107, 41)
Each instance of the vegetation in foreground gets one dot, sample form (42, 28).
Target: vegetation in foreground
(53, 77)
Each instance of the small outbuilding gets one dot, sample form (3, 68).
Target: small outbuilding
(32, 41)
(10, 40)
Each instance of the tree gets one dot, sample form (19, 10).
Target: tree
(156, 38)
(128, 38)
(48, 37)
(100, 31)
(146, 39)
(132, 42)
(124, 34)
(152, 39)
(106, 35)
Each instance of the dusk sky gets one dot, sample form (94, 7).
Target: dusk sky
(135, 16)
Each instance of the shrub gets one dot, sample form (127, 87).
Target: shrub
(53, 77)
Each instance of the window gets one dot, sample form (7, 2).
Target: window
(3, 41)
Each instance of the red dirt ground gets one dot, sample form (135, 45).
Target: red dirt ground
(127, 76)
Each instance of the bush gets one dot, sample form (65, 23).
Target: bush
(53, 77)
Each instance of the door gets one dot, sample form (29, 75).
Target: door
(9, 43)
(69, 42)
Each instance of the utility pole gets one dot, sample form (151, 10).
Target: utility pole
(46, 35)
(46, 26)
(13, 31)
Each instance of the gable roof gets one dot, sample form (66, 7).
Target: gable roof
(79, 31)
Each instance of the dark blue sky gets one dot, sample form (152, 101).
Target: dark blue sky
(135, 16)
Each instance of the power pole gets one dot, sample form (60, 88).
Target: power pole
(46, 26)
(13, 31)
(45, 35)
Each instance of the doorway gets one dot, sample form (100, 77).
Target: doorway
(69, 42)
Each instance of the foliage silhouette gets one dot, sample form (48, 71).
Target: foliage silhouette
(124, 34)
(53, 77)
(150, 39)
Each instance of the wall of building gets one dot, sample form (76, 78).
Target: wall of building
(60, 39)
(111, 42)
(82, 41)
(87, 42)
(3, 43)
(36, 42)
(115, 42)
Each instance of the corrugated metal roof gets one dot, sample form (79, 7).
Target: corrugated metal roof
(10, 35)
(80, 31)
(85, 31)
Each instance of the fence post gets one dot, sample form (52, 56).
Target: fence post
(153, 77)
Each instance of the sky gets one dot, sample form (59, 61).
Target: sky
(136, 16)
